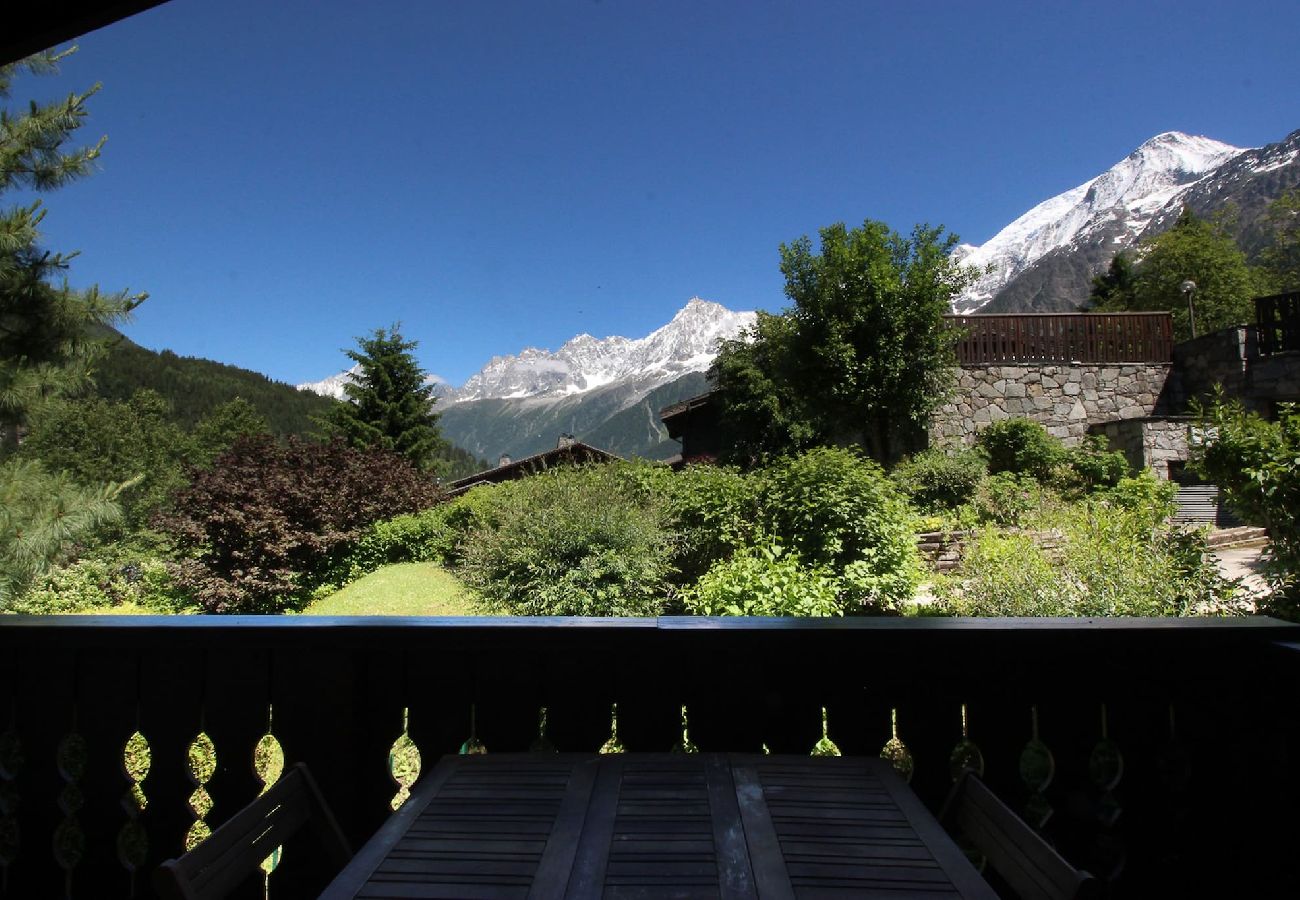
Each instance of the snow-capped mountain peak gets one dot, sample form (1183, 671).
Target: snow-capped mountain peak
(1114, 207)
(688, 343)
(333, 385)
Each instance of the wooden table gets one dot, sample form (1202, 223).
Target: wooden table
(659, 825)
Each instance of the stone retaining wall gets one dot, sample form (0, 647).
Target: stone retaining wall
(1153, 443)
(1067, 399)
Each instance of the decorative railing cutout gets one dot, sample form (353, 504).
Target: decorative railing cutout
(966, 756)
(1037, 768)
(132, 838)
(825, 746)
(685, 745)
(201, 758)
(896, 751)
(541, 743)
(403, 762)
(268, 766)
(613, 745)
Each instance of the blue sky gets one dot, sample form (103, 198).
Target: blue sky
(282, 177)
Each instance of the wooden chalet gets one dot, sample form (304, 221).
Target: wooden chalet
(694, 423)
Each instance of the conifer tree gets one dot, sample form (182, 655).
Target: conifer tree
(47, 332)
(391, 406)
(1114, 290)
(1282, 257)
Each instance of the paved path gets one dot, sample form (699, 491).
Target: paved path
(1243, 562)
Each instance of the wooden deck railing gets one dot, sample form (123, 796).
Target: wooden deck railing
(1155, 753)
(1278, 320)
(1064, 338)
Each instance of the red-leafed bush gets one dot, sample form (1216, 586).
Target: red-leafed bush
(268, 515)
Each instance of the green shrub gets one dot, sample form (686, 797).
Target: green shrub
(462, 516)
(1022, 447)
(764, 581)
(1093, 466)
(1007, 498)
(1257, 463)
(1112, 560)
(1145, 495)
(262, 524)
(568, 542)
(115, 576)
(836, 510)
(1004, 574)
(412, 537)
(713, 511)
(939, 479)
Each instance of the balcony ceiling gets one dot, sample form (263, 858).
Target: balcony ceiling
(37, 26)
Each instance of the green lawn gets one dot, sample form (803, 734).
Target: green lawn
(402, 589)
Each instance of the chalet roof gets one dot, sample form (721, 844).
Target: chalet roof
(687, 405)
(569, 454)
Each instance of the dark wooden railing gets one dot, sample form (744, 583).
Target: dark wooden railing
(1158, 754)
(1064, 338)
(1278, 320)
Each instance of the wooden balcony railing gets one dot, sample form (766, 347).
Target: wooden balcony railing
(1064, 338)
(1278, 320)
(1158, 754)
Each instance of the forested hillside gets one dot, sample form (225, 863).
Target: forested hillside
(193, 387)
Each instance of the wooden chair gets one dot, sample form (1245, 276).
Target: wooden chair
(235, 850)
(1026, 862)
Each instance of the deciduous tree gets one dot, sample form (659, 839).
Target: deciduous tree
(862, 356)
(1202, 252)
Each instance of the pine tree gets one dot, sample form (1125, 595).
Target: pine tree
(1114, 290)
(391, 405)
(47, 332)
(1282, 257)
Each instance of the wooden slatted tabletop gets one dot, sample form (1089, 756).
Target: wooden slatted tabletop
(659, 825)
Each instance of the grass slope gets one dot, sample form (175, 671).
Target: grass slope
(402, 589)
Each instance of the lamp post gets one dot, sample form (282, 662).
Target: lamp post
(1189, 288)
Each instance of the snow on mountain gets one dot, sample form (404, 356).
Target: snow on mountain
(333, 386)
(686, 344)
(1113, 208)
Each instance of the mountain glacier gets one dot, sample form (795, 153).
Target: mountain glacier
(688, 343)
(1104, 214)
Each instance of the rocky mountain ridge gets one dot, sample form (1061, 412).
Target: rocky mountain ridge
(1045, 261)
(584, 363)
(606, 391)
(1109, 212)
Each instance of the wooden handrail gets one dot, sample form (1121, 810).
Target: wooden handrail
(338, 693)
(1087, 338)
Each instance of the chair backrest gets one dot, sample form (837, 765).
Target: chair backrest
(235, 850)
(1026, 862)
